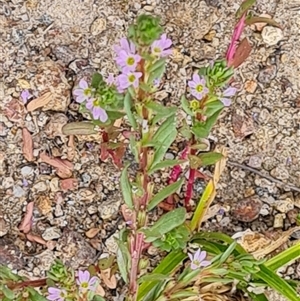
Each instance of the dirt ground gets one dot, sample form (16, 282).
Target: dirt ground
(48, 45)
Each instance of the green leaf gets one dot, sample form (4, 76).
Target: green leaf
(127, 107)
(97, 79)
(185, 130)
(209, 158)
(244, 7)
(260, 297)
(157, 74)
(199, 131)
(123, 260)
(79, 128)
(164, 193)
(277, 283)
(134, 147)
(200, 210)
(6, 273)
(163, 138)
(8, 293)
(284, 257)
(153, 278)
(228, 252)
(160, 110)
(186, 105)
(165, 224)
(217, 236)
(212, 107)
(210, 122)
(126, 187)
(157, 65)
(35, 296)
(253, 20)
(166, 267)
(165, 164)
(144, 87)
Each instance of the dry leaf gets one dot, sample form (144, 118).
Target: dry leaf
(63, 174)
(243, 125)
(36, 238)
(100, 291)
(71, 148)
(68, 184)
(14, 111)
(63, 166)
(39, 102)
(242, 52)
(109, 280)
(27, 145)
(92, 232)
(96, 244)
(25, 225)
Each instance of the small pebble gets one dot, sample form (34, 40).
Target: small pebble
(284, 206)
(278, 220)
(26, 171)
(18, 192)
(247, 210)
(272, 35)
(51, 233)
(3, 227)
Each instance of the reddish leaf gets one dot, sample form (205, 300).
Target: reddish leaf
(25, 225)
(241, 54)
(36, 238)
(14, 111)
(39, 102)
(27, 145)
(64, 167)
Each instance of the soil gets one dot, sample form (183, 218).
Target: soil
(47, 46)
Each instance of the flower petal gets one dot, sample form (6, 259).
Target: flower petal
(230, 91)
(54, 290)
(197, 255)
(202, 256)
(196, 78)
(83, 84)
(103, 118)
(194, 266)
(226, 101)
(205, 263)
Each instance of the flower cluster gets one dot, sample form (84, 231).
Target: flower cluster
(86, 94)
(85, 283)
(128, 60)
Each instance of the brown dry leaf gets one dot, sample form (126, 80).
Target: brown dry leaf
(92, 232)
(63, 174)
(250, 86)
(35, 238)
(68, 184)
(109, 280)
(242, 52)
(96, 244)
(275, 244)
(14, 111)
(242, 124)
(100, 291)
(39, 102)
(27, 145)
(25, 225)
(71, 148)
(63, 166)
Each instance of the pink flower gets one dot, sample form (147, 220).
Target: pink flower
(198, 87)
(85, 282)
(228, 93)
(160, 47)
(56, 294)
(128, 47)
(97, 111)
(110, 80)
(127, 61)
(127, 79)
(197, 260)
(83, 93)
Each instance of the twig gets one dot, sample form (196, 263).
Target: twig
(270, 178)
